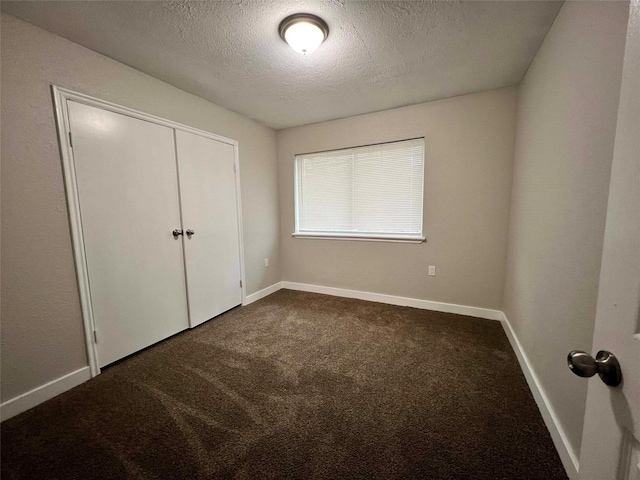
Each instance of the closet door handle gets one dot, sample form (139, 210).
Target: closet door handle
(190, 232)
(176, 233)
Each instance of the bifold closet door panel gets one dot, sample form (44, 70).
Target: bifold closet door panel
(208, 201)
(128, 191)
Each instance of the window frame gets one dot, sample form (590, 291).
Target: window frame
(341, 235)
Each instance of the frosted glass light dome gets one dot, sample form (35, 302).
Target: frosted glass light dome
(303, 32)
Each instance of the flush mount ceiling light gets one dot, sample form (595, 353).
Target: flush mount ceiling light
(303, 32)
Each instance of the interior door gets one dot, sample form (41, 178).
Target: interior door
(209, 210)
(128, 190)
(611, 438)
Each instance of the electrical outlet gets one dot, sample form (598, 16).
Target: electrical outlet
(432, 270)
(266, 262)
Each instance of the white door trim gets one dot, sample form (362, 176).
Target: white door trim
(60, 98)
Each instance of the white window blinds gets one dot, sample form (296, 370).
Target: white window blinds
(372, 191)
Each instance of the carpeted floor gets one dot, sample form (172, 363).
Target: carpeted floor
(298, 385)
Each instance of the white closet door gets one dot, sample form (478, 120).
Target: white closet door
(208, 200)
(128, 191)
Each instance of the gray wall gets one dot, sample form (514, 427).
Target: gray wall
(567, 112)
(469, 154)
(42, 337)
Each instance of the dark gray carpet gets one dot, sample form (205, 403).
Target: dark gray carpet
(298, 385)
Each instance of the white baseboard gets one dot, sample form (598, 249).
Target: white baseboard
(40, 394)
(254, 297)
(567, 454)
(394, 300)
(568, 457)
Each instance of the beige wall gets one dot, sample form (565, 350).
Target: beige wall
(469, 154)
(42, 335)
(567, 112)
(553, 220)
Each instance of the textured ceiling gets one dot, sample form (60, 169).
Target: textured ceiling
(379, 54)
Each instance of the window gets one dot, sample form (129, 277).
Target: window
(370, 193)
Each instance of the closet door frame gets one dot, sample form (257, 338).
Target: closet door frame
(60, 98)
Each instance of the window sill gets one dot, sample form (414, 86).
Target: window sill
(361, 237)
